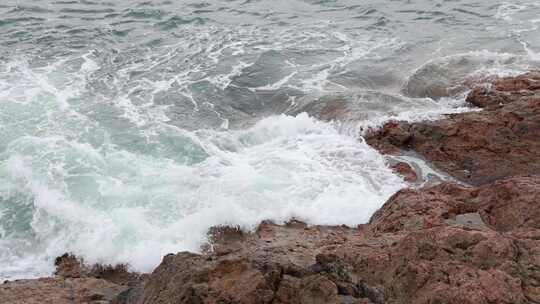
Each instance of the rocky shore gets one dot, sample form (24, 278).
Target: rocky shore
(479, 147)
(476, 241)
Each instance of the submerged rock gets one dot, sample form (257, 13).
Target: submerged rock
(454, 74)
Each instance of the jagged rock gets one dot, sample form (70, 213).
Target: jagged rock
(71, 266)
(423, 246)
(478, 147)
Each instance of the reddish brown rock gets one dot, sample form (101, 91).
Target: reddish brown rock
(270, 266)
(442, 264)
(391, 138)
(424, 246)
(511, 204)
(423, 254)
(406, 171)
(478, 147)
(504, 90)
(412, 210)
(526, 82)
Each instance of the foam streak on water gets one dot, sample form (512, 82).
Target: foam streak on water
(129, 128)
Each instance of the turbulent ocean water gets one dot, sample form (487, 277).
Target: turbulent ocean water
(129, 128)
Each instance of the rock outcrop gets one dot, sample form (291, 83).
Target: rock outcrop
(59, 290)
(75, 282)
(478, 147)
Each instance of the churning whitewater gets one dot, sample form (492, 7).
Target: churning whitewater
(129, 128)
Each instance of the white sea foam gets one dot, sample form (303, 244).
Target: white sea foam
(129, 188)
(115, 206)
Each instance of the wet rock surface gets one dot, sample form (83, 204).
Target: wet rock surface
(478, 147)
(59, 290)
(406, 171)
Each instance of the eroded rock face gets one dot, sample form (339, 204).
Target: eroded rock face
(479, 147)
(443, 244)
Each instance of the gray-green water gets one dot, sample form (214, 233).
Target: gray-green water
(128, 128)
